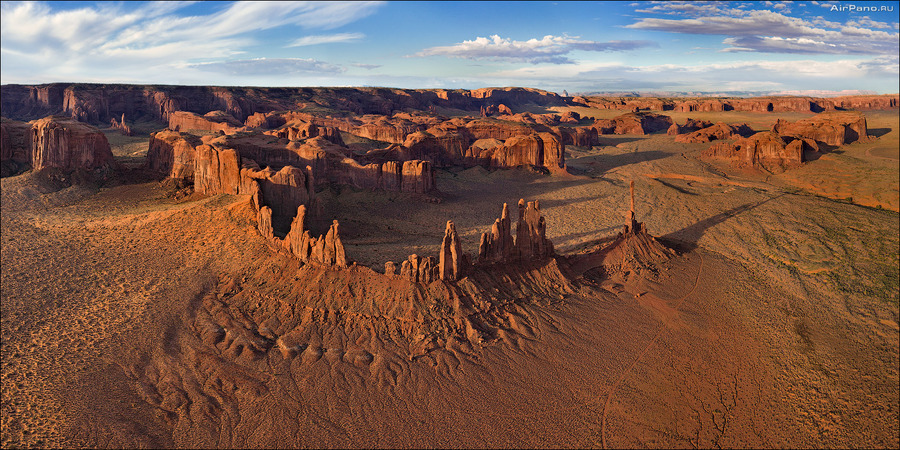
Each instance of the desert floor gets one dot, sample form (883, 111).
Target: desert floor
(775, 326)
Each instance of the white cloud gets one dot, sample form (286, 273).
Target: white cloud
(549, 49)
(269, 67)
(366, 66)
(771, 31)
(41, 43)
(735, 76)
(326, 39)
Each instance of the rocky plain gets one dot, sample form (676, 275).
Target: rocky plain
(192, 266)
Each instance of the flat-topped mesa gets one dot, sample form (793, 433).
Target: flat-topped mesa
(213, 121)
(64, 143)
(833, 129)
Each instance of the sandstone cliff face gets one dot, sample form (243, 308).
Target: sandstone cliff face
(282, 191)
(829, 128)
(172, 153)
(217, 171)
(67, 144)
(765, 149)
(578, 136)
(15, 141)
(15, 147)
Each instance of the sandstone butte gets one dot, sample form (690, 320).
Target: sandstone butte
(784, 146)
(55, 142)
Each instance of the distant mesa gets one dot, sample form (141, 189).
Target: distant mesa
(57, 142)
(784, 146)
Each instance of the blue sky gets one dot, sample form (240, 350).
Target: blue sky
(782, 47)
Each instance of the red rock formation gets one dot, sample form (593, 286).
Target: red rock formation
(633, 123)
(172, 153)
(284, 191)
(264, 218)
(15, 141)
(765, 150)
(64, 143)
(214, 121)
(417, 176)
(526, 150)
(578, 136)
(835, 129)
(449, 265)
(497, 245)
(554, 153)
(216, 171)
(689, 126)
(531, 232)
(120, 125)
(299, 130)
(719, 131)
(15, 146)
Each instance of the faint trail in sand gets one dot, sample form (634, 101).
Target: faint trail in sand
(612, 390)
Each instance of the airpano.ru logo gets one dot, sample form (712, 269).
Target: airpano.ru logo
(859, 8)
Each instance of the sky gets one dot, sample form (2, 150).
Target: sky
(808, 47)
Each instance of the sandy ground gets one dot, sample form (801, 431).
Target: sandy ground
(777, 326)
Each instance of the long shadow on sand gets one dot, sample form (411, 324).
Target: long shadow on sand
(603, 163)
(686, 238)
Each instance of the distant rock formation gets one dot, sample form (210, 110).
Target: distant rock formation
(213, 121)
(833, 129)
(64, 143)
(633, 123)
(15, 146)
(719, 131)
(121, 125)
(690, 126)
(766, 149)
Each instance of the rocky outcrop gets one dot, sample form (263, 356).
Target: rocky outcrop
(15, 146)
(690, 126)
(15, 140)
(121, 126)
(766, 150)
(283, 191)
(217, 171)
(578, 136)
(450, 264)
(172, 153)
(497, 245)
(64, 143)
(212, 122)
(531, 243)
(417, 177)
(299, 130)
(833, 129)
(633, 123)
(719, 131)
